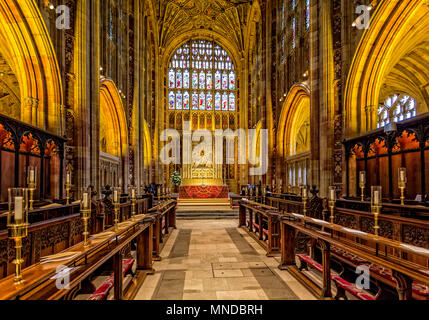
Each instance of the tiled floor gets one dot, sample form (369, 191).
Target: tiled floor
(213, 260)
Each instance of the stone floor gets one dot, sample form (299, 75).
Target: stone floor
(213, 260)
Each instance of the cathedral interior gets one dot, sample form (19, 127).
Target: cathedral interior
(214, 150)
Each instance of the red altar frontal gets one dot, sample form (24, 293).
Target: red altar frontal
(204, 192)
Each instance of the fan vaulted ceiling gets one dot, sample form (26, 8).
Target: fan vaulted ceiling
(225, 18)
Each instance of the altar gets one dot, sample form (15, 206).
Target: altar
(204, 192)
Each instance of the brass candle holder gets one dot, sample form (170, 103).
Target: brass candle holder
(304, 194)
(362, 184)
(31, 184)
(133, 202)
(116, 204)
(17, 224)
(68, 187)
(376, 203)
(332, 201)
(85, 210)
(402, 183)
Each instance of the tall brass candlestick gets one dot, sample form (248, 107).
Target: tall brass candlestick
(116, 204)
(85, 210)
(31, 183)
(68, 187)
(304, 193)
(17, 224)
(376, 203)
(133, 203)
(332, 200)
(402, 183)
(362, 184)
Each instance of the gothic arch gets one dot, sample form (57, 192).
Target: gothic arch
(397, 28)
(295, 111)
(112, 108)
(27, 47)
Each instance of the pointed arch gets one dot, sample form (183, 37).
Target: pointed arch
(397, 27)
(26, 45)
(112, 109)
(295, 111)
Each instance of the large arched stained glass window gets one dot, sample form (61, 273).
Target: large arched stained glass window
(201, 76)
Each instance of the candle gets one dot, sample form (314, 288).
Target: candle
(304, 192)
(362, 178)
(133, 193)
(68, 178)
(85, 200)
(115, 196)
(19, 203)
(32, 175)
(332, 194)
(402, 176)
(376, 197)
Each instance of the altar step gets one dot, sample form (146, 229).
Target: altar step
(205, 209)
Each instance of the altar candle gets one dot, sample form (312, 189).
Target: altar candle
(376, 197)
(19, 203)
(133, 193)
(115, 196)
(68, 178)
(85, 200)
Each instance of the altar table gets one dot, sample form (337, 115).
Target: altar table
(204, 192)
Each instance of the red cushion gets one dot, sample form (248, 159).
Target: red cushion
(352, 289)
(265, 232)
(351, 257)
(421, 290)
(310, 262)
(103, 291)
(127, 265)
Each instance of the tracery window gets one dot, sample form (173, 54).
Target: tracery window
(204, 71)
(396, 108)
(307, 14)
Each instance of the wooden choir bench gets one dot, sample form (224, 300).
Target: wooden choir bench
(41, 279)
(262, 223)
(165, 220)
(394, 266)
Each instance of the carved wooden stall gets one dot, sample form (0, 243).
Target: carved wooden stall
(165, 221)
(22, 145)
(397, 267)
(41, 279)
(381, 153)
(262, 223)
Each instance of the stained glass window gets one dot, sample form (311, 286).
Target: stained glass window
(232, 80)
(218, 102)
(395, 109)
(218, 85)
(307, 14)
(179, 79)
(209, 105)
(171, 99)
(225, 81)
(186, 79)
(179, 101)
(171, 79)
(195, 101)
(194, 80)
(205, 68)
(186, 101)
(202, 101)
(202, 80)
(231, 102)
(209, 81)
(224, 102)
(293, 37)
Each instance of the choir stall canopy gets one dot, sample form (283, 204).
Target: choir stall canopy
(21, 146)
